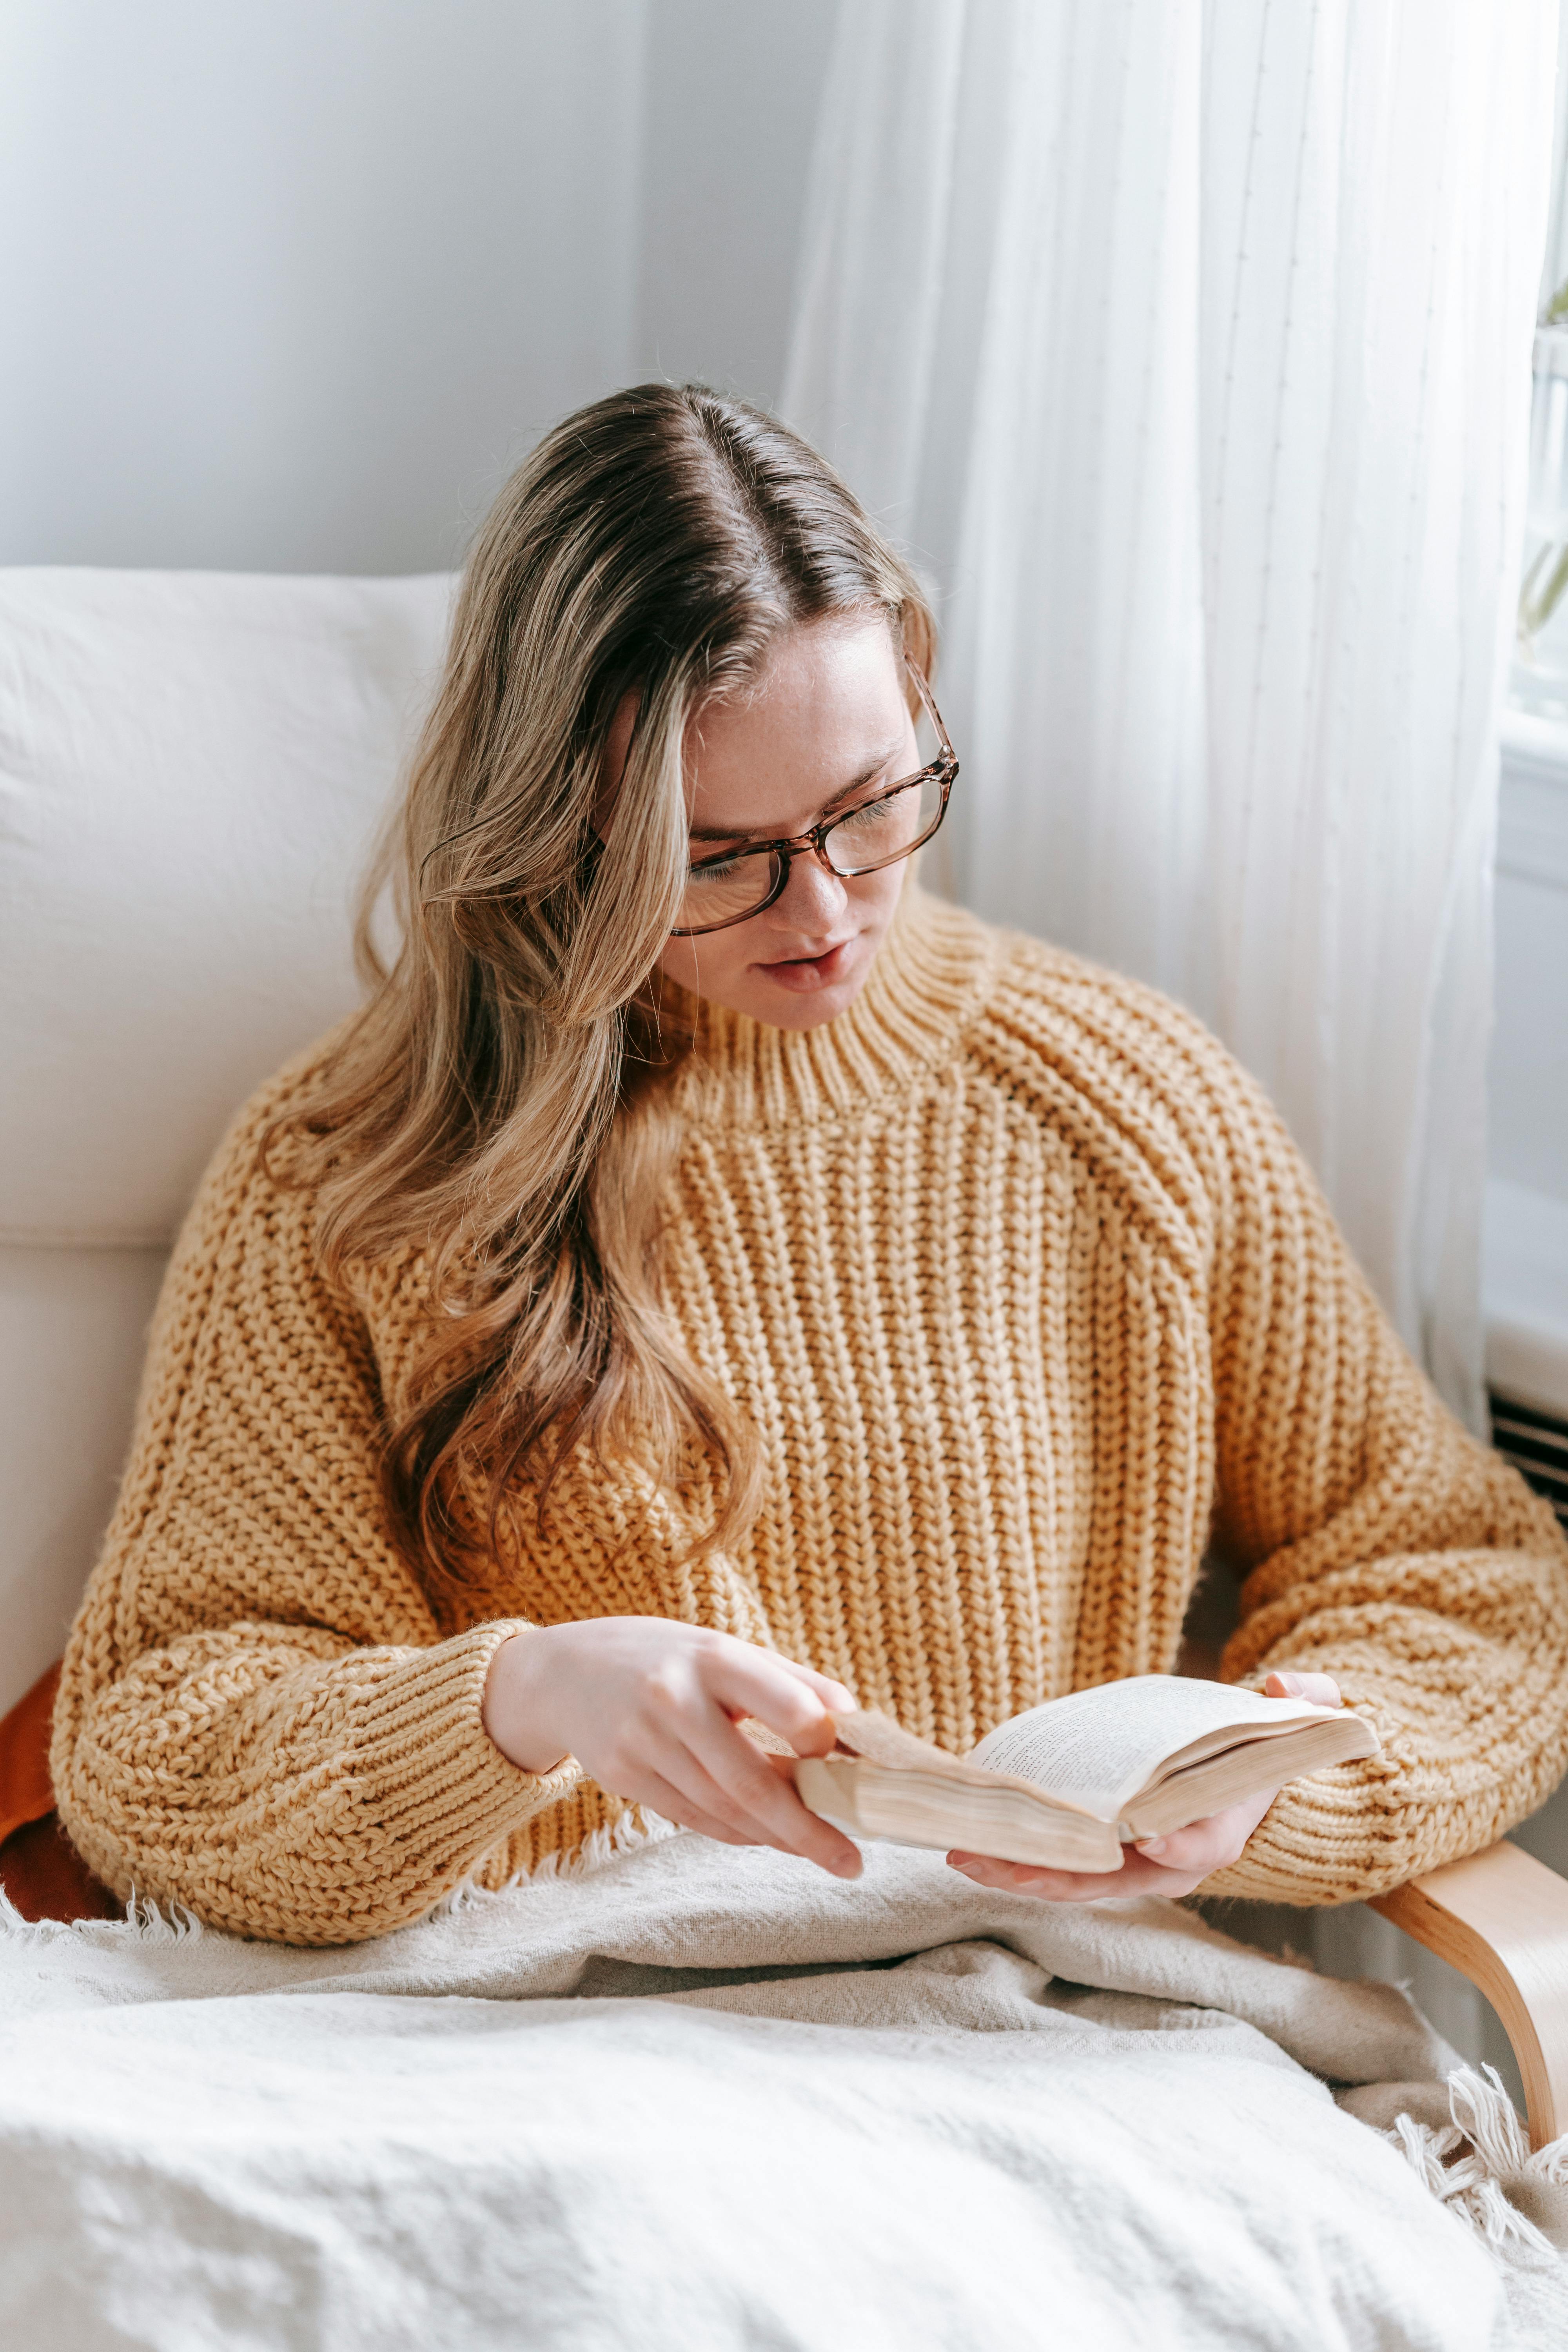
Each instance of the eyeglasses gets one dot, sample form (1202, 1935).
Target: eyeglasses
(739, 883)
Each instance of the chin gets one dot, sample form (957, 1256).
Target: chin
(784, 1011)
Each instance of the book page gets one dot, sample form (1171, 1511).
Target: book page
(1098, 1747)
(883, 1741)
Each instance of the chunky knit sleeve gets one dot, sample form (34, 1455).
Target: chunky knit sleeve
(1379, 1542)
(257, 1714)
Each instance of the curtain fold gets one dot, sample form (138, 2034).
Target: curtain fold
(1185, 343)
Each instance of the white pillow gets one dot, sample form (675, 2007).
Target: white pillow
(192, 768)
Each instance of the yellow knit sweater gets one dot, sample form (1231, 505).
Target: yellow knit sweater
(1030, 1299)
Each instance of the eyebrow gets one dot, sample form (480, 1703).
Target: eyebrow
(873, 767)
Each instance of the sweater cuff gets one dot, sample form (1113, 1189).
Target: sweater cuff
(1326, 1839)
(426, 1777)
(1335, 1836)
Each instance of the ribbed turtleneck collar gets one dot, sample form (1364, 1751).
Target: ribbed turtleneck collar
(929, 976)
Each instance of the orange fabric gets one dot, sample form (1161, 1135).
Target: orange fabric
(40, 1870)
(26, 1792)
(44, 1877)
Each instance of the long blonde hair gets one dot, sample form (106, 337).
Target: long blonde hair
(500, 1107)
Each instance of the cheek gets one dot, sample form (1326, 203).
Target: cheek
(875, 896)
(709, 965)
(873, 901)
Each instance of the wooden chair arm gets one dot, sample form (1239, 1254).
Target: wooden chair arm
(1500, 1918)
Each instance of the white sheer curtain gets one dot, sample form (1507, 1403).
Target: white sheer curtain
(1187, 343)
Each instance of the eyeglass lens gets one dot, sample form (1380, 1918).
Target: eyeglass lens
(876, 834)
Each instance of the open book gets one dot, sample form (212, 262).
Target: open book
(1067, 1785)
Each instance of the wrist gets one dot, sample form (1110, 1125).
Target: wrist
(514, 1709)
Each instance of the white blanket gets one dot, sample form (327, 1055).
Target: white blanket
(703, 2099)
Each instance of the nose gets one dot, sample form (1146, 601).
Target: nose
(812, 900)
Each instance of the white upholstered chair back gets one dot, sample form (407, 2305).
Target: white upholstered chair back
(192, 768)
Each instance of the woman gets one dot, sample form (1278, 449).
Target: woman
(709, 1278)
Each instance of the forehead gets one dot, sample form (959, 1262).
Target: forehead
(828, 712)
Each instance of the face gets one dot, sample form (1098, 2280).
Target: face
(825, 726)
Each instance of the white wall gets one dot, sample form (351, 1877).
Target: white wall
(732, 100)
(287, 283)
(291, 284)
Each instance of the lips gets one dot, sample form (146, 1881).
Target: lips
(803, 974)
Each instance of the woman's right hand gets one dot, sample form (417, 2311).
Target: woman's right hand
(648, 1707)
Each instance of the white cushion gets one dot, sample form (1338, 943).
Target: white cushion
(73, 1330)
(191, 766)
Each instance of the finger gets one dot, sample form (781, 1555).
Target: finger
(685, 1772)
(745, 1680)
(1136, 1876)
(1321, 1689)
(1212, 1843)
(1014, 1878)
(836, 1697)
(749, 1778)
(749, 1789)
(725, 1773)
(1202, 1847)
(662, 1793)
(1030, 1878)
(661, 1796)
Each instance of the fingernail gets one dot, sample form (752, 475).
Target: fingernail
(1292, 1684)
(1152, 1847)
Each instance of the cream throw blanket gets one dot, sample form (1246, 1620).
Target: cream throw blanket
(699, 2097)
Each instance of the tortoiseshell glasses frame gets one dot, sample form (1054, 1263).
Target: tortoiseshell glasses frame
(935, 782)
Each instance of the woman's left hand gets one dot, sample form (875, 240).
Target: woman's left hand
(1168, 1866)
